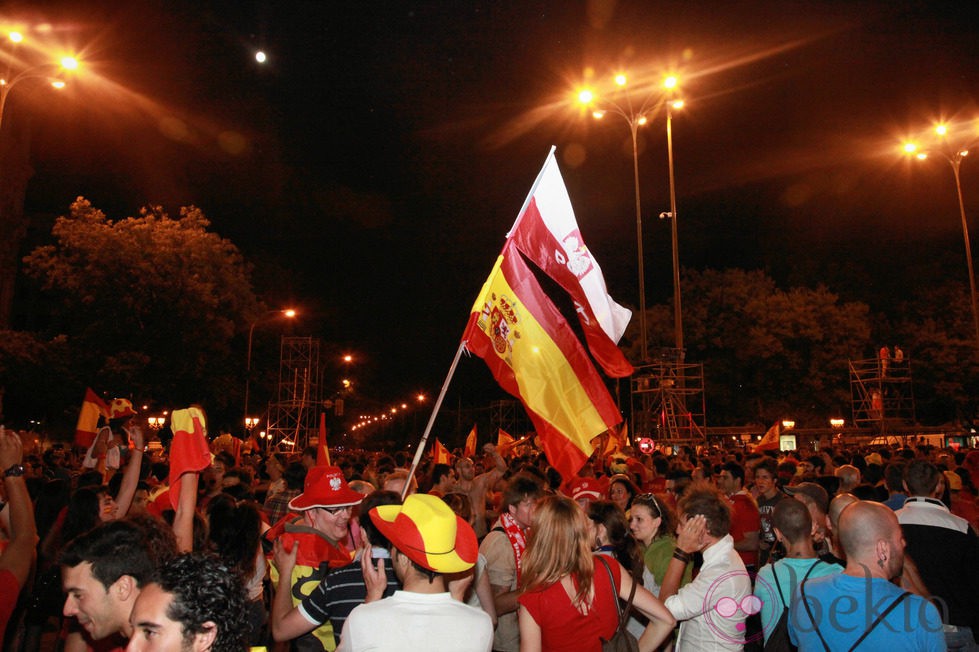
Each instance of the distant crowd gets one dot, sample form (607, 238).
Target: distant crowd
(197, 546)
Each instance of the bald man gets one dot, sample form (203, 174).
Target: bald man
(861, 603)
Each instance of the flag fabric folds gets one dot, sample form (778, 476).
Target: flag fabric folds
(547, 233)
(504, 441)
(189, 452)
(93, 407)
(534, 355)
(441, 453)
(771, 440)
(323, 448)
(470, 449)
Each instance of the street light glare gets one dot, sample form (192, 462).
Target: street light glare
(598, 115)
(910, 148)
(670, 82)
(620, 79)
(16, 37)
(678, 104)
(260, 57)
(289, 313)
(58, 84)
(941, 130)
(642, 120)
(69, 63)
(585, 96)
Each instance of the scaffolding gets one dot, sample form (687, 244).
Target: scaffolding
(293, 418)
(510, 417)
(667, 400)
(882, 393)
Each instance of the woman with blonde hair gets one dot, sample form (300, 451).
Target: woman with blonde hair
(569, 598)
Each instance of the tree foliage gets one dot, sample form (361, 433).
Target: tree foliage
(767, 353)
(149, 305)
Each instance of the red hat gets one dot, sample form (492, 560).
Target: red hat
(427, 531)
(120, 408)
(325, 487)
(586, 488)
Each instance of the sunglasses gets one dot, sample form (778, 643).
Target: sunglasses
(650, 501)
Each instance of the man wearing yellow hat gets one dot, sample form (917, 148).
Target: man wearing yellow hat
(428, 542)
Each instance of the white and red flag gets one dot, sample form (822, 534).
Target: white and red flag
(546, 231)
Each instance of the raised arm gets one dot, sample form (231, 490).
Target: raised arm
(131, 476)
(19, 554)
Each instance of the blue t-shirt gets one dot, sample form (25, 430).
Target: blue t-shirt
(790, 574)
(844, 607)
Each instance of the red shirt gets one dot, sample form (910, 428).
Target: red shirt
(563, 627)
(9, 590)
(744, 518)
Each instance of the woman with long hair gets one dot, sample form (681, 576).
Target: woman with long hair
(621, 491)
(613, 538)
(569, 599)
(653, 522)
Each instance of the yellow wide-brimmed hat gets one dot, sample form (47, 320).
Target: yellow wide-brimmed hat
(429, 533)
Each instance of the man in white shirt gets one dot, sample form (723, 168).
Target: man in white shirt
(712, 609)
(428, 541)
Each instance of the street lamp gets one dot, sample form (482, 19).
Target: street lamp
(271, 314)
(621, 103)
(954, 155)
(671, 104)
(40, 71)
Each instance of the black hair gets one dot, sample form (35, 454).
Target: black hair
(205, 590)
(114, 549)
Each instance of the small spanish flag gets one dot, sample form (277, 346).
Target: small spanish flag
(441, 453)
(470, 449)
(323, 449)
(93, 407)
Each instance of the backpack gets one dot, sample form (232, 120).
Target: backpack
(779, 640)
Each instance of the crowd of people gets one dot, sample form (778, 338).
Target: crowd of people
(192, 547)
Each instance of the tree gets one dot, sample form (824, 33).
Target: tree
(767, 353)
(149, 305)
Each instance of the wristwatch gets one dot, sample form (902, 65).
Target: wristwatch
(14, 471)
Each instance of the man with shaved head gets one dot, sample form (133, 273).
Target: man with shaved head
(860, 606)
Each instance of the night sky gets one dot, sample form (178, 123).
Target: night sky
(372, 166)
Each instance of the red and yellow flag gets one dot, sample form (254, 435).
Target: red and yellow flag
(440, 453)
(547, 233)
(770, 442)
(93, 407)
(504, 442)
(534, 355)
(470, 449)
(323, 448)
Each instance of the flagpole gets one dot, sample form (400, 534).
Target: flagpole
(431, 419)
(533, 189)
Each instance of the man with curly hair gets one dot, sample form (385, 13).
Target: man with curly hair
(194, 603)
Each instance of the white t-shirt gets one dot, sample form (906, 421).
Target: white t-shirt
(417, 621)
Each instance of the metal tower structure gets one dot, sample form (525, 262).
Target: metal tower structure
(294, 417)
(882, 393)
(667, 399)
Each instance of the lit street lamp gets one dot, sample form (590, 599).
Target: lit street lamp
(621, 103)
(41, 71)
(289, 314)
(954, 154)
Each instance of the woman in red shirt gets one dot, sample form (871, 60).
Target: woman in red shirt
(568, 599)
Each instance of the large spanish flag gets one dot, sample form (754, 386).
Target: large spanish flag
(546, 231)
(93, 407)
(534, 355)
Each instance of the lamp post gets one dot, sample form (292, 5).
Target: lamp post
(672, 104)
(636, 115)
(954, 156)
(289, 314)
